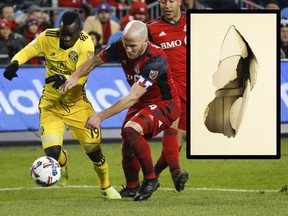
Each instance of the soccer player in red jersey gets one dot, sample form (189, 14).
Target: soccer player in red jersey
(169, 32)
(153, 103)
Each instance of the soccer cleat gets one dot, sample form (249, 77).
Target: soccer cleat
(110, 193)
(64, 172)
(146, 189)
(180, 179)
(128, 192)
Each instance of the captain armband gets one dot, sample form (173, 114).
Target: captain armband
(234, 79)
(144, 82)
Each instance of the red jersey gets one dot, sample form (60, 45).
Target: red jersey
(151, 70)
(172, 39)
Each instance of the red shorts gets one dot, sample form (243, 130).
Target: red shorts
(154, 117)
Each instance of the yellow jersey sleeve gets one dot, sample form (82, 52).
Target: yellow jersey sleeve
(30, 50)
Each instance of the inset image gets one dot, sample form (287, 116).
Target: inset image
(234, 79)
(233, 62)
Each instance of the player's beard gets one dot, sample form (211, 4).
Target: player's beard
(131, 56)
(135, 54)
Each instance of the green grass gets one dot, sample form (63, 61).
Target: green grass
(216, 187)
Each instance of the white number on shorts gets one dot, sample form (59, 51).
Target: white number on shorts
(153, 106)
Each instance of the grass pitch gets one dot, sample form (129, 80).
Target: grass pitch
(215, 187)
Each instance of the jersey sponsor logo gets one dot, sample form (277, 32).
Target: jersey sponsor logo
(153, 74)
(144, 82)
(73, 56)
(57, 70)
(171, 44)
(162, 33)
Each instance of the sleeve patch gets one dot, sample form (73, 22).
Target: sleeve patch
(144, 82)
(153, 74)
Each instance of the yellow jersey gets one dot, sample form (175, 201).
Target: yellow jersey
(59, 61)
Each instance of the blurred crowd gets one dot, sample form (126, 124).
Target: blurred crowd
(104, 20)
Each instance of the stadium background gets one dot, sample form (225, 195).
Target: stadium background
(19, 99)
(19, 102)
(19, 116)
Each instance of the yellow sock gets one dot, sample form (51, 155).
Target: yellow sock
(102, 171)
(62, 159)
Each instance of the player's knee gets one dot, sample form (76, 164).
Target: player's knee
(90, 147)
(170, 132)
(53, 151)
(97, 157)
(127, 151)
(131, 136)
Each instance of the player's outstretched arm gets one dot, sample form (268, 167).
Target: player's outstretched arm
(127, 101)
(81, 71)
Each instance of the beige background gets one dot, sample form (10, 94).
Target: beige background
(257, 134)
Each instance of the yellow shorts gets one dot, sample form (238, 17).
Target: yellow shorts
(54, 120)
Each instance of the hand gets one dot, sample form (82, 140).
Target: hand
(58, 80)
(70, 83)
(10, 71)
(93, 122)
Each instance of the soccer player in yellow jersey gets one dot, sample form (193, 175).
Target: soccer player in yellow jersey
(64, 50)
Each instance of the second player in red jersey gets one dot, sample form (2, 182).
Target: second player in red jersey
(171, 37)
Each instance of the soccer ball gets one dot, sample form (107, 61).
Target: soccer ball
(45, 171)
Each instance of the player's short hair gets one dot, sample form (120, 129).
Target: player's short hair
(70, 17)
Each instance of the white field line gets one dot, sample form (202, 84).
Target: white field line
(164, 189)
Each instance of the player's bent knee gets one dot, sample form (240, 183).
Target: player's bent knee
(127, 152)
(131, 136)
(53, 151)
(90, 147)
(135, 125)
